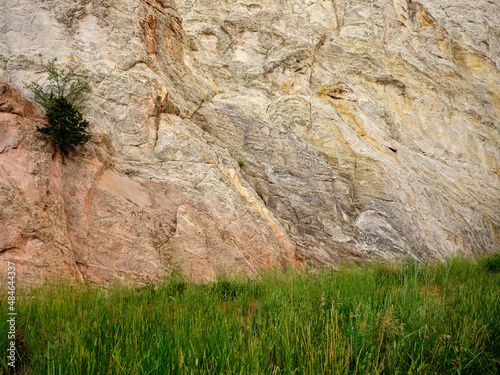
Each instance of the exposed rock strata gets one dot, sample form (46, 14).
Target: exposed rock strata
(367, 128)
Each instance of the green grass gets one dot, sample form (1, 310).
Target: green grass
(418, 318)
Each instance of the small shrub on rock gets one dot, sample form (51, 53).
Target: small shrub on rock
(62, 98)
(67, 125)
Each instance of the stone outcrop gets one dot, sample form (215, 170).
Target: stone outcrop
(233, 135)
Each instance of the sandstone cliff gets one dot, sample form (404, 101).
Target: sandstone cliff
(365, 128)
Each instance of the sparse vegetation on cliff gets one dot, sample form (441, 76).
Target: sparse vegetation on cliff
(373, 319)
(62, 98)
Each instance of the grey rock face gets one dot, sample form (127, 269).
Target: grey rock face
(364, 129)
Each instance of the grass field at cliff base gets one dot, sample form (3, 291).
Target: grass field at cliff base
(412, 318)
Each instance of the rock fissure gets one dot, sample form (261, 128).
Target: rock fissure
(8, 248)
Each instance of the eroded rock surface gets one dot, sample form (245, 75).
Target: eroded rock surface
(231, 135)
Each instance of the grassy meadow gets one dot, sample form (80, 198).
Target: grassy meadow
(414, 318)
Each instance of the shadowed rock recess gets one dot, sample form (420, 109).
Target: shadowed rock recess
(233, 135)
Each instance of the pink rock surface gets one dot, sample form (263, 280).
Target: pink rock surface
(33, 232)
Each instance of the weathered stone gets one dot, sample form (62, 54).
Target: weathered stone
(366, 128)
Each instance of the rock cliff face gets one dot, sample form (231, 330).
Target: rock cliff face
(232, 135)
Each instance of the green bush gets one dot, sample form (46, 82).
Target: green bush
(492, 263)
(62, 98)
(67, 125)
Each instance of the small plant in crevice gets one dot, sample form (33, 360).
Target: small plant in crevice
(62, 98)
(129, 172)
(241, 162)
